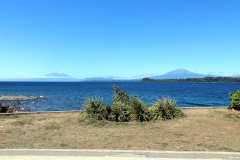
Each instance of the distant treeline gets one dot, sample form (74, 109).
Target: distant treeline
(206, 79)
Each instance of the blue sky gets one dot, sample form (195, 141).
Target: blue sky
(90, 38)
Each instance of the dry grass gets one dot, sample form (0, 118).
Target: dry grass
(201, 130)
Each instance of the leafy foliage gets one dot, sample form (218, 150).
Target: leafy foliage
(139, 110)
(119, 96)
(121, 111)
(164, 109)
(134, 110)
(93, 108)
(235, 103)
(128, 108)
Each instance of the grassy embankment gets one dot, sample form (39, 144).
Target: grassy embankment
(201, 130)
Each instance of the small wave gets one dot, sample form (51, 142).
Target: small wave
(194, 104)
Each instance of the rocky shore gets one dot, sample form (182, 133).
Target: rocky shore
(24, 98)
(18, 107)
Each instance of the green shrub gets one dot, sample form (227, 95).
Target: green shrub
(119, 95)
(164, 109)
(128, 108)
(235, 103)
(106, 112)
(139, 110)
(121, 112)
(93, 108)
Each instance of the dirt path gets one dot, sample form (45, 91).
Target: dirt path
(201, 130)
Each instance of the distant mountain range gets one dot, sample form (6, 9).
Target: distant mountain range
(108, 79)
(175, 74)
(93, 79)
(180, 74)
(58, 76)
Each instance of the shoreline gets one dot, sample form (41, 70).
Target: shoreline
(72, 111)
(19, 98)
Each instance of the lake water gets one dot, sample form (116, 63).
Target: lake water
(71, 95)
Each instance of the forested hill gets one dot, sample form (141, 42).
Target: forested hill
(206, 79)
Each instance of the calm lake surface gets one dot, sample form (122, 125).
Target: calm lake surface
(71, 95)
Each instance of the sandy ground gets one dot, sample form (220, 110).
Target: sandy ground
(202, 130)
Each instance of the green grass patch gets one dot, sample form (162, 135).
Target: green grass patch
(52, 127)
(164, 144)
(21, 122)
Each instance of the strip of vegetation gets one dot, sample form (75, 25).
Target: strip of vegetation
(206, 79)
(129, 108)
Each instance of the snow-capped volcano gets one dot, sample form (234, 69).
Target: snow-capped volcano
(58, 74)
